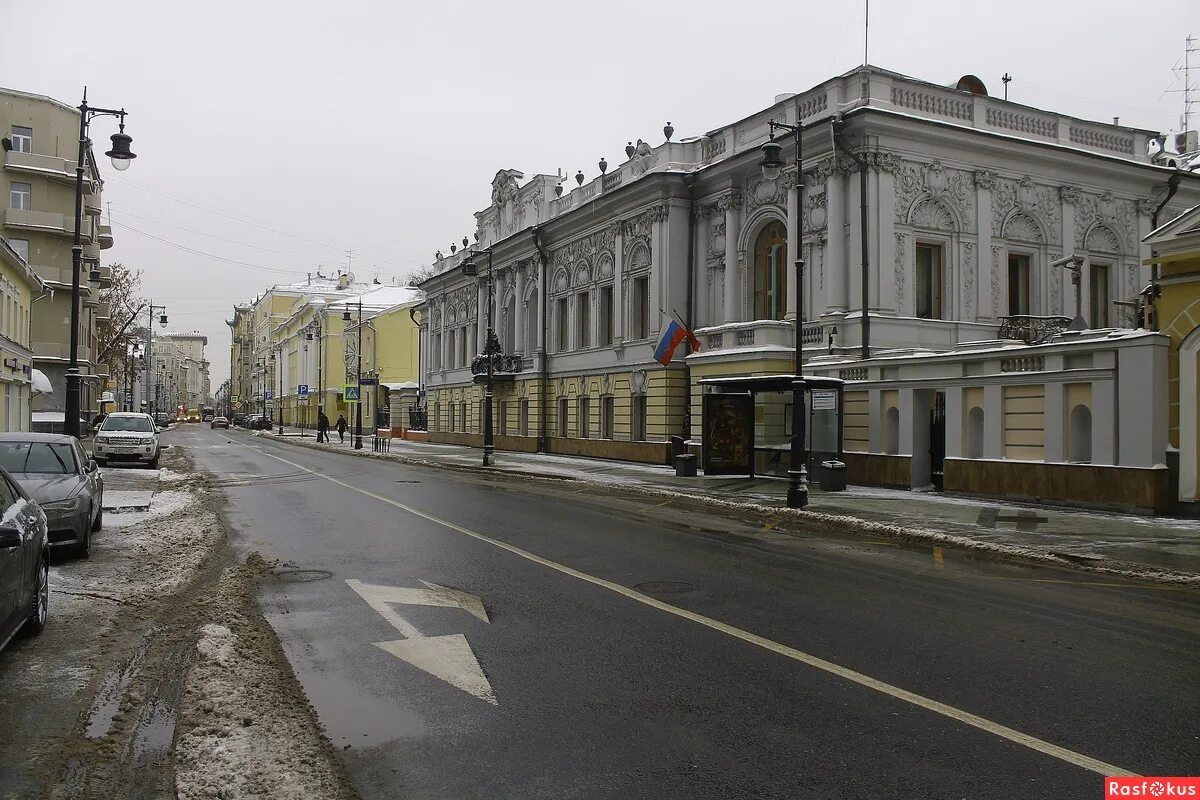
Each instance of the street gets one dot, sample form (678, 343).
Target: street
(473, 636)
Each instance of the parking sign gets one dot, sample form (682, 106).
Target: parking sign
(302, 390)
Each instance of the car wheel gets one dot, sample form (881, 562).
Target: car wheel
(99, 521)
(40, 602)
(100, 462)
(83, 550)
(153, 463)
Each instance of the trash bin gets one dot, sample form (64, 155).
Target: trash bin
(685, 466)
(678, 446)
(833, 476)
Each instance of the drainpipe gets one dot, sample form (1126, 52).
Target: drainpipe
(1172, 187)
(544, 258)
(689, 180)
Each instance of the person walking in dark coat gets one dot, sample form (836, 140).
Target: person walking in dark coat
(322, 427)
(341, 427)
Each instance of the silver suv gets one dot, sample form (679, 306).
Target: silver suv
(127, 436)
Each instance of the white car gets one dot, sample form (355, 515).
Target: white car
(127, 436)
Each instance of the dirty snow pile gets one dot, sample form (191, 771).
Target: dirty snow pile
(245, 730)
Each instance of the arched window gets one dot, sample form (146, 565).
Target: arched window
(770, 272)
(531, 328)
(510, 325)
(974, 438)
(1080, 435)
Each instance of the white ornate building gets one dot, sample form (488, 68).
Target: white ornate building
(970, 200)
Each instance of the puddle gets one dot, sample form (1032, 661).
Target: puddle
(112, 689)
(156, 730)
(301, 575)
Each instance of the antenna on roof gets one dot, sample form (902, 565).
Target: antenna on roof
(866, 31)
(1189, 47)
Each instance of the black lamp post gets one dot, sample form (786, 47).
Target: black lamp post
(279, 397)
(491, 349)
(772, 166)
(357, 376)
(162, 321)
(121, 156)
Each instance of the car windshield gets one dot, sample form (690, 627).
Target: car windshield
(136, 424)
(43, 457)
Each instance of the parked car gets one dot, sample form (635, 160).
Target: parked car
(219, 422)
(24, 562)
(162, 419)
(56, 472)
(127, 436)
(209, 417)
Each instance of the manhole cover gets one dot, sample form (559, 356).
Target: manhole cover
(664, 587)
(302, 575)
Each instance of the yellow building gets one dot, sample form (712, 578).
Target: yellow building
(1176, 248)
(390, 353)
(19, 286)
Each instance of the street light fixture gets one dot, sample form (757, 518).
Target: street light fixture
(772, 168)
(491, 349)
(121, 155)
(358, 376)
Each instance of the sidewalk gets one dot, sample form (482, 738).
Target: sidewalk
(1095, 537)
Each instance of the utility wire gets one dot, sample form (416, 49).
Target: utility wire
(122, 212)
(213, 256)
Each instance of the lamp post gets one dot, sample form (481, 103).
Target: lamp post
(491, 348)
(772, 166)
(279, 397)
(121, 156)
(357, 376)
(162, 321)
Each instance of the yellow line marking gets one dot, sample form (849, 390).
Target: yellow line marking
(939, 559)
(663, 503)
(966, 717)
(771, 525)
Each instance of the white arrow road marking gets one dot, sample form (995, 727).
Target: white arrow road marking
(449, 658)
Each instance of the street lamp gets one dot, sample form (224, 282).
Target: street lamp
(162, 321)
(491, 349)
(279, 397)
(121, 156)
(772, 167)
(357, 375)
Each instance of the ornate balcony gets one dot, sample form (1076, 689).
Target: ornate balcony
(760, 334)
(1032, 329)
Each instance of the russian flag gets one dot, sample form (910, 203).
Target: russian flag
(672, 337)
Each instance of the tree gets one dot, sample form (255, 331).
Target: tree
(116, 334)
(422, 273)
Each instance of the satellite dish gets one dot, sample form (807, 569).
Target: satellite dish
(969, 83)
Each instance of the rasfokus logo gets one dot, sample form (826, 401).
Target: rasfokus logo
(1151, 787)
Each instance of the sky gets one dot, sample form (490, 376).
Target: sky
(273, 138)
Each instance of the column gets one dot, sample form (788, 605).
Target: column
(700, 278)
(1054, 424)
(481, 316)
(619, 283)
(993, 421)
(794, 245)
(518, 322)
(731, 205)
(542, 277)
(836, 266)
(954, 422)
(883, 271)
(984, 182)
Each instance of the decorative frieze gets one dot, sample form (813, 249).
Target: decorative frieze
(1040, 206)
(968, 268)
(918, 183)
(900, 271)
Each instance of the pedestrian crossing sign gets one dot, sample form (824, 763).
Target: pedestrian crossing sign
(350, 393)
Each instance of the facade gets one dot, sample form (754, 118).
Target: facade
(240, 357)
(1176, 256)
(19, 286)
(180, 371)
(41, 140)
(970, 202)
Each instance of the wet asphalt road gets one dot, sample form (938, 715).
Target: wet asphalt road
(600, 694)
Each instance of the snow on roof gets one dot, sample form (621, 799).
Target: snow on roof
(382, 297)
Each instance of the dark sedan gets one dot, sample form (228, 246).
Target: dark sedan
(24, 562)
(58, 474)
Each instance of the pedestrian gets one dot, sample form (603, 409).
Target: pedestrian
(341, 427)
(322, 426)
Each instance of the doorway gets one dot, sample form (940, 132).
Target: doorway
(937, 440)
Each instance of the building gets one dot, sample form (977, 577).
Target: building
(20, 286)
(41, 141)
(180, 370)
(970, 204)
(1176, 257)
(240, 357)
(390, 353)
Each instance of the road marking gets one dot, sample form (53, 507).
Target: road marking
(939, 559)
(929, 704)
(448, 657)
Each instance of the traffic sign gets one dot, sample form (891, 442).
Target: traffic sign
(369, 381)
(270, 395)
(350, 392)
(302, 390)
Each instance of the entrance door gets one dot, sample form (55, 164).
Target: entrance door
(937, 440)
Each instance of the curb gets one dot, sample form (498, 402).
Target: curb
(1007, 552)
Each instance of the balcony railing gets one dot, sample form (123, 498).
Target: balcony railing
(1032, 329)
(761, 334)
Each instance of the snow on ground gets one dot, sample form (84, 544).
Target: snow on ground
(162, 504)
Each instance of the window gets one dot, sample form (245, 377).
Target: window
(585, 417)
(22, 139)
(463, 358)
(563, 330)
(437, 416)
(503, 418)
(606, 315)
(41, 457)
(583, 320)
(22, 248)
(19, 195)
(929, 281)
(606, 417)
(770, 272)
(563, 410)
(640, 308)
(451, 412)
(451, 351)
(637, 430)
(483, 415)
(1018, 284)
(531, 329)
(462, 409)
(524, 421)
(1099, 284)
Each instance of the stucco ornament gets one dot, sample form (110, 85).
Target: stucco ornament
(969, 278)
(899, 268)
(952, 189)
(638, 381)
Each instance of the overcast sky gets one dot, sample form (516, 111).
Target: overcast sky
(282, 134)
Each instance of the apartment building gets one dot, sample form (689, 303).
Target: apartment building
(40, 137)
(20, 286)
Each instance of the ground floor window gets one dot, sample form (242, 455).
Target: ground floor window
(637, 430)
(450, 410)
(503, 417)
(606, 417)
(563, 409)
(585, 417)
(462, 407)
(524, 421)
